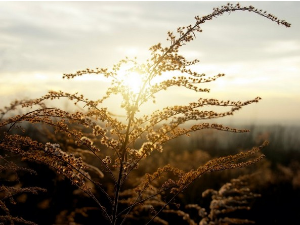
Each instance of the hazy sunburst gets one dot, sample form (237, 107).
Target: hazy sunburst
(133, 81)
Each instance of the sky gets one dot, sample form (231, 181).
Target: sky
(40, 41)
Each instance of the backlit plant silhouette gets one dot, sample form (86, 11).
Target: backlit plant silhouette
(10, 188)
(230, 198)
(120, 144)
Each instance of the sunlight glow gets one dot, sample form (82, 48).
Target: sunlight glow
(133, 81)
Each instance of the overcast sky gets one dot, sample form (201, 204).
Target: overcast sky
(39, 41)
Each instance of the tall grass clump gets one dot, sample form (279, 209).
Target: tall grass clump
(117, 145)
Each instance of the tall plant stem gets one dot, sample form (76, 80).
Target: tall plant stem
(120, 176)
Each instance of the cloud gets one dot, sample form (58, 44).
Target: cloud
(283, 47)
(49, 38)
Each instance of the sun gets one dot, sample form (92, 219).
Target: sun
(133, 81)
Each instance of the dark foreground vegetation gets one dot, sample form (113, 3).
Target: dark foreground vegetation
(276, 179)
